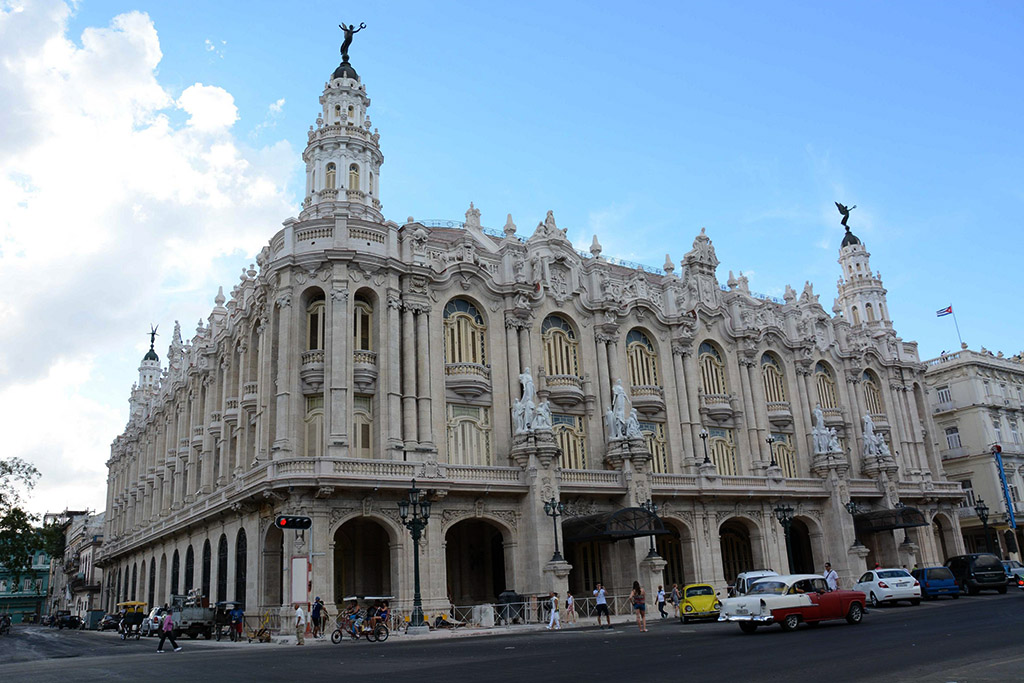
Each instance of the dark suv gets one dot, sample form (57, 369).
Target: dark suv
(978, 571)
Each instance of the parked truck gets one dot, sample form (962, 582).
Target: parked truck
(191, 618)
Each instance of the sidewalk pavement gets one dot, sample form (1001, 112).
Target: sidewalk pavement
(618, 621)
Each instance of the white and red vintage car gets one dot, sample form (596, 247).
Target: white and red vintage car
(789, 600)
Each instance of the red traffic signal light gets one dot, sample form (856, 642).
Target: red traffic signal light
(293, 522)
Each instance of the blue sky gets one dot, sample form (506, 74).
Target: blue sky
(639, 122)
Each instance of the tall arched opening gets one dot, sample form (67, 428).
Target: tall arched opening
(222, 568)
(207, 569)
(362, 559)
(240, 562)
(190, 568)
(676, 548)
(162, 586)
(475, 562)
(740, 543)
(800, 541)
(273, 567)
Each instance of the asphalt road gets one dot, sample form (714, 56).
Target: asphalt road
(971, 639)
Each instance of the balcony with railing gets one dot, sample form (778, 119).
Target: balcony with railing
(717, 406)
(311, 369)
(780, 412)
(215, 423)
(880, 420)
(364, 371)
(648, 399)
(197, 436)
(944, 407)
(564, 390)
(250, 395)
(231, 410)
(468, 380)
(833, 416)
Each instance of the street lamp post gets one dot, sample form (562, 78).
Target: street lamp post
(771, 443)
(853, 509)
(554, 509)
(901, 505)
(982, 511)
(784, 513)
(653, 509)
(704, 438)
(415, 524)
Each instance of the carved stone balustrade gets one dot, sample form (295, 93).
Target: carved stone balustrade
(468, 380)
(881, 421)
(250, 395)
(780, 412)
(717, 406)
(197, 436)
(648, 399)
(833, 417)
(231, 410)
(564, 390)
(215, 424)
(364, 371)
(311, 370)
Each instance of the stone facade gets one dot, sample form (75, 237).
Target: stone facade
(357, 354)
(977, 401)
(75, 578)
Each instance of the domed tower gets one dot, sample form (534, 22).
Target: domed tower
(149, 379)
(861, 294)
(343, 157)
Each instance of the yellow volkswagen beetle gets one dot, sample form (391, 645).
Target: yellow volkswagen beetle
(698, 601)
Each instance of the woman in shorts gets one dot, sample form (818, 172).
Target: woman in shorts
(639, 600)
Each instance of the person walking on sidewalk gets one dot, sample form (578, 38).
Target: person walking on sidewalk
(674, 599)
(831, 578)
(300, 625)
(661, 602)
(639, 599)
(555, 620)
(601, 601)
(570, 609)
(167, 633)
(318, 612)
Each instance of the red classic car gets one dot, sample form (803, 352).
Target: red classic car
(789, 600)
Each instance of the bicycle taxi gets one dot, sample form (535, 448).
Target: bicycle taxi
(364, 616)
(131, 622)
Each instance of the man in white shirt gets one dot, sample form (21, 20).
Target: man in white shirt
(556, 620)
(300, 625)
(602, 605)
(831, 578)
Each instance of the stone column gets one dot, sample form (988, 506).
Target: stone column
(336, 386)
(749, 430)
(409, 428)
(692, 373)
(423, 388)
(286, 352)
(679, 412)
(392, 361)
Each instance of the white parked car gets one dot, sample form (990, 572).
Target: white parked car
(889, 585)
(747, 579)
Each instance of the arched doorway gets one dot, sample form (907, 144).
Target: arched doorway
(736, 540)
(222, 568)
(586, 560)
(943, 532)
(362, 559)
(676, 548)
(273, 567)
(207, 569)
(190, 568)
(152, 582)
(240, 560)
(800, 542)
(474, 562)
(175, 572)
(162, 591)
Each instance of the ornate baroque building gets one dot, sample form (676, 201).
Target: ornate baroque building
(358, 354)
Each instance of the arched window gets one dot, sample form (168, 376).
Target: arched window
(175, 572)
(240, 562)
(351, 112)
(465, 338)
(643, 360)
(337, 113)
(826, 386)
(785, 456)
(315, 324)
(869, 311)
(856, 316)
(207, 569)
(370, 181)
(657, 444)
(135, 580)
(571, 437)
(561, 349)
(362, 323)
(362, 427)
(152, 581)
(722, 451)
(353, 177)
(774, 380)
(712, 370)
(331, 177)
(872, 395)
(190, 569)
(314, 426)
(222, 569)
(469, 435)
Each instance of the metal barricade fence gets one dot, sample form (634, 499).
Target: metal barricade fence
(533, 609)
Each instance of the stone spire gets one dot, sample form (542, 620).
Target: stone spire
(861, 294)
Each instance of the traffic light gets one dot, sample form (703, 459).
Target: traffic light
(293, 522)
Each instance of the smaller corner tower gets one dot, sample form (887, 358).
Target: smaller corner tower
(861, 294)
(149, 378)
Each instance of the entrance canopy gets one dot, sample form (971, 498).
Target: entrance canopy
(614, 526)
(887, 520)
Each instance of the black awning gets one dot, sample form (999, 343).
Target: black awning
(614, 526)
(887, 520)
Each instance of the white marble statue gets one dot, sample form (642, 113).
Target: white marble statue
(819, 417)
(833, 442)
(633, 426)
(619, 403)
(524, 408)
(542, 417)
(518, 416)
(526, 380)
(870, 440)
(609, 424)
(820, 433)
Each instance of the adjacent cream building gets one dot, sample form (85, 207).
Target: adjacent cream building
(358, 354)
(977, 400)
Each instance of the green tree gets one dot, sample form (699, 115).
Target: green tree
(18, 536)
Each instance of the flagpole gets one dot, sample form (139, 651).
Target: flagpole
(957, 325)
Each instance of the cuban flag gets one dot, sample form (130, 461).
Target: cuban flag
(944, 311)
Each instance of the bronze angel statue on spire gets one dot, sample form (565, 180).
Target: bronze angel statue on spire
(350, 31)
(846, 213)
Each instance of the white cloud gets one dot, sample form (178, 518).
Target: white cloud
(209, 108)
(109, 213)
